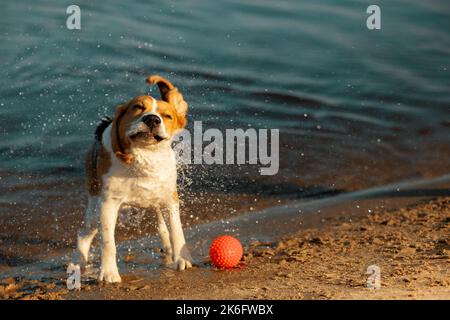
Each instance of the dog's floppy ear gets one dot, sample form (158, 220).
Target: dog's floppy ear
(171, 95)
(119, 141)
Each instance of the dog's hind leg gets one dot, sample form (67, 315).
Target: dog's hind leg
(89, 230)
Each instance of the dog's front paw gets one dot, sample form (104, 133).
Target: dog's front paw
(109, 273)
(182, 263)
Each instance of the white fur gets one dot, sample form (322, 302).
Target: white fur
(150, 181)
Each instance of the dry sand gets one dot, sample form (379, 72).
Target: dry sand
(410, 245)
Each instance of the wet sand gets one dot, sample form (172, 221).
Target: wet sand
(326, 261)
(42, 213)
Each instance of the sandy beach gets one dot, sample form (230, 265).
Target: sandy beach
(355, 175)
(328, 261)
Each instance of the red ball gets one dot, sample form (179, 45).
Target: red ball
(225, 252)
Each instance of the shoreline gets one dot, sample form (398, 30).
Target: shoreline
(57, 201)
(142, 272)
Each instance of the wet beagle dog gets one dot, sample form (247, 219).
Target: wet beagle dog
(132, 162)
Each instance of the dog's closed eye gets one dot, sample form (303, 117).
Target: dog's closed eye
(138, 107)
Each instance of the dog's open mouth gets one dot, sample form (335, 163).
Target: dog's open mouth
(146, 135)
(158, 138)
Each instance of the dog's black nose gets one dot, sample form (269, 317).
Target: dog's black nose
(151, 120)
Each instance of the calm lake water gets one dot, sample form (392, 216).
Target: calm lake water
(355, 108)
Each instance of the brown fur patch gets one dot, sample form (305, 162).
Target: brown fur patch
(97, 163)
(172, 120)
(119, 140)
(175, 196)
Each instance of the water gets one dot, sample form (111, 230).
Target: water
(355, 108)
